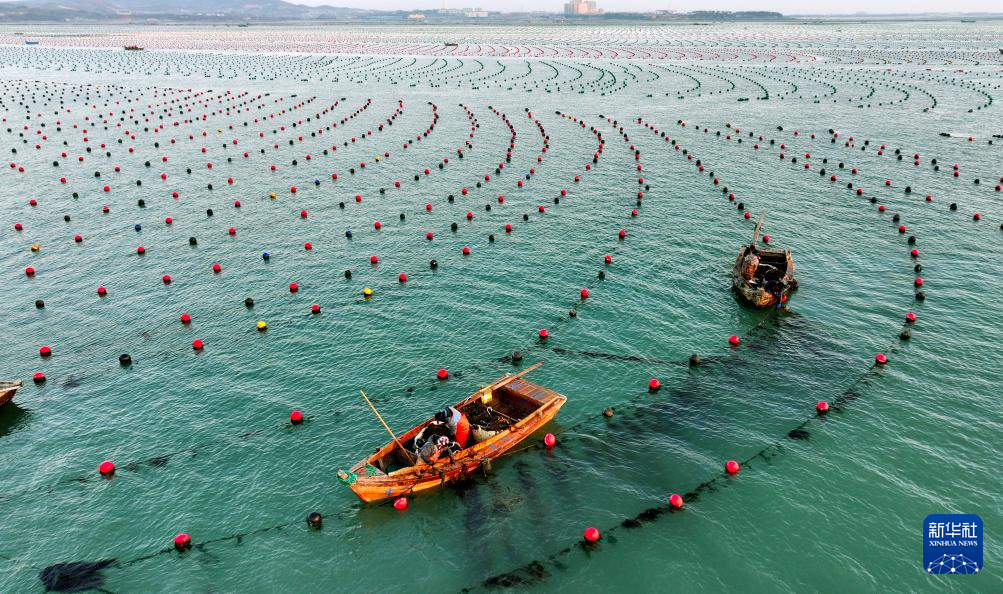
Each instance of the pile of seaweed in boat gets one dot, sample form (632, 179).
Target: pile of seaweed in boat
(494, 417)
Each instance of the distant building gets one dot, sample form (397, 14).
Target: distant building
(475, 13)
(580, 7)
(416, 16)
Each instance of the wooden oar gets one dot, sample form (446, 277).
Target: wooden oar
(509, 378)
(387, 427)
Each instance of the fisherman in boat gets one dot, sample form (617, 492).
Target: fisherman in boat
(434, 447)
(750, 264)
(434, 440)
(457, 422)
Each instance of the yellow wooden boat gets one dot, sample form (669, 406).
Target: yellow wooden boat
(517, 407)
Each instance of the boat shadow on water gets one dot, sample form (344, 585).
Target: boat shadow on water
(13, 418)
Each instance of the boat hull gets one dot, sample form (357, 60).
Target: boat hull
(7, 390)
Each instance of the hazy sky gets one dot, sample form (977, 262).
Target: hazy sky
(785, 6)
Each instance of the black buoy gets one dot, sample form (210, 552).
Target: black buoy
(607, 412)
(694, 360)
(348, 274)
(125, 359)
(208, 212)
(517, 357)
(573, 313)
(192, 241)
(39, 304)
(314, 520)
(248, 303)
(433, 264)
(905, 334)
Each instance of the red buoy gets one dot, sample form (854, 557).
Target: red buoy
(185, 318)
(197, 344)
(38, 377)
(167, 279)
(592, 534)
(608, 259)
(676, 501)
(442, 374)
(880, 358)
(216, 268)
(296, 417)
(732, 467)
(734, 340)
(182, 542)
(402, 277)
(910, 317)
(29, 271)
(585, 293)
(377, 225)
(102, 291)
(654, 385)
(315, 308)
(401, 504)
(549, 440)
(293, 287)
(466, 251)
(107, 467)
(544, 334)
(918, 282)
(822, 407)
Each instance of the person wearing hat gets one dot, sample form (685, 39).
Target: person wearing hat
(457, 422)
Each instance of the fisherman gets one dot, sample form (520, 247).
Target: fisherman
(431, 442)
(457, 423)
(750, 264)
(434, 447)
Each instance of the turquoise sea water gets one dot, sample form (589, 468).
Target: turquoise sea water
(202, 441)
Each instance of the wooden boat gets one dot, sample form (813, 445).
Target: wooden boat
(133, 48)
(519, 408)
(774, 279)
(7, 390)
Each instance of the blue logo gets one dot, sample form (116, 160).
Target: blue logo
(952, 543)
